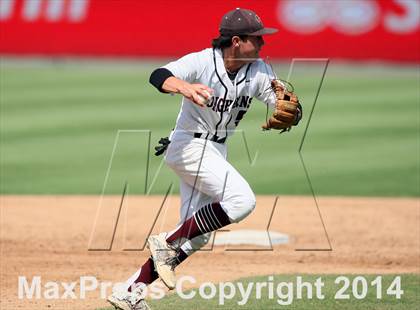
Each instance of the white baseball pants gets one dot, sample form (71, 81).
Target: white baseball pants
(206, 177)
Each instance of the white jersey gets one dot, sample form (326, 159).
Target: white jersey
(231, 99)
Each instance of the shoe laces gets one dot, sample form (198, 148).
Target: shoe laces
(130, 302)
(172, 261)
(170, 252)
(135, 297)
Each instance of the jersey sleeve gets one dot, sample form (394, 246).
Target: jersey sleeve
(186, 68)
(264, 92)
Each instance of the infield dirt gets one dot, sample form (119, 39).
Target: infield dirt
(49, 236)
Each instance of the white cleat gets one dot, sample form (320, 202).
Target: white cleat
(164, 258)
(128, 300)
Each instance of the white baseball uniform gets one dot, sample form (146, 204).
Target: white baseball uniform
(197, 152)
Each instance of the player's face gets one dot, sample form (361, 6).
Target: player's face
(251, 46)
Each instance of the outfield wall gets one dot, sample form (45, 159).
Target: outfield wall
(359, 30)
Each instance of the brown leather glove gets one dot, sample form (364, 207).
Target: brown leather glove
(287, 112)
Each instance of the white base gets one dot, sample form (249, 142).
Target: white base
(250, 237)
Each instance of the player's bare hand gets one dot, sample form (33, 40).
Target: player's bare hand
(197, 93)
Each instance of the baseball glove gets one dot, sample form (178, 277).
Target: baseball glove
(287, 112)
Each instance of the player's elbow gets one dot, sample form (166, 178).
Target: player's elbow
(158, 77)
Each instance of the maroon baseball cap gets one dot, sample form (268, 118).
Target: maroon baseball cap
(243, 22)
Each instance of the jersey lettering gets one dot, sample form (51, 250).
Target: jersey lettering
(218, 104)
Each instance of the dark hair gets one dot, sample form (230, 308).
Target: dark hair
(225, 41)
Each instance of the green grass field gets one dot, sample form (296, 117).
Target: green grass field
(59, 122)
(375, 297)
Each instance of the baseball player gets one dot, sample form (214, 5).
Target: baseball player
(217, 85)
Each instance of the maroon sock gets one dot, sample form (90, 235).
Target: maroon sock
(209, 218)
(148, 273)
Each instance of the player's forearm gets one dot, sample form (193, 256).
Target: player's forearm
(158, 77)
(166, 82)
(197, 93)
(174, 85)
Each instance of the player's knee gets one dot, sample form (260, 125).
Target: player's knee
(249, 205)
(244, 207)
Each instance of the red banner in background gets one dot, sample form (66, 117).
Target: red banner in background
(358, 29)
